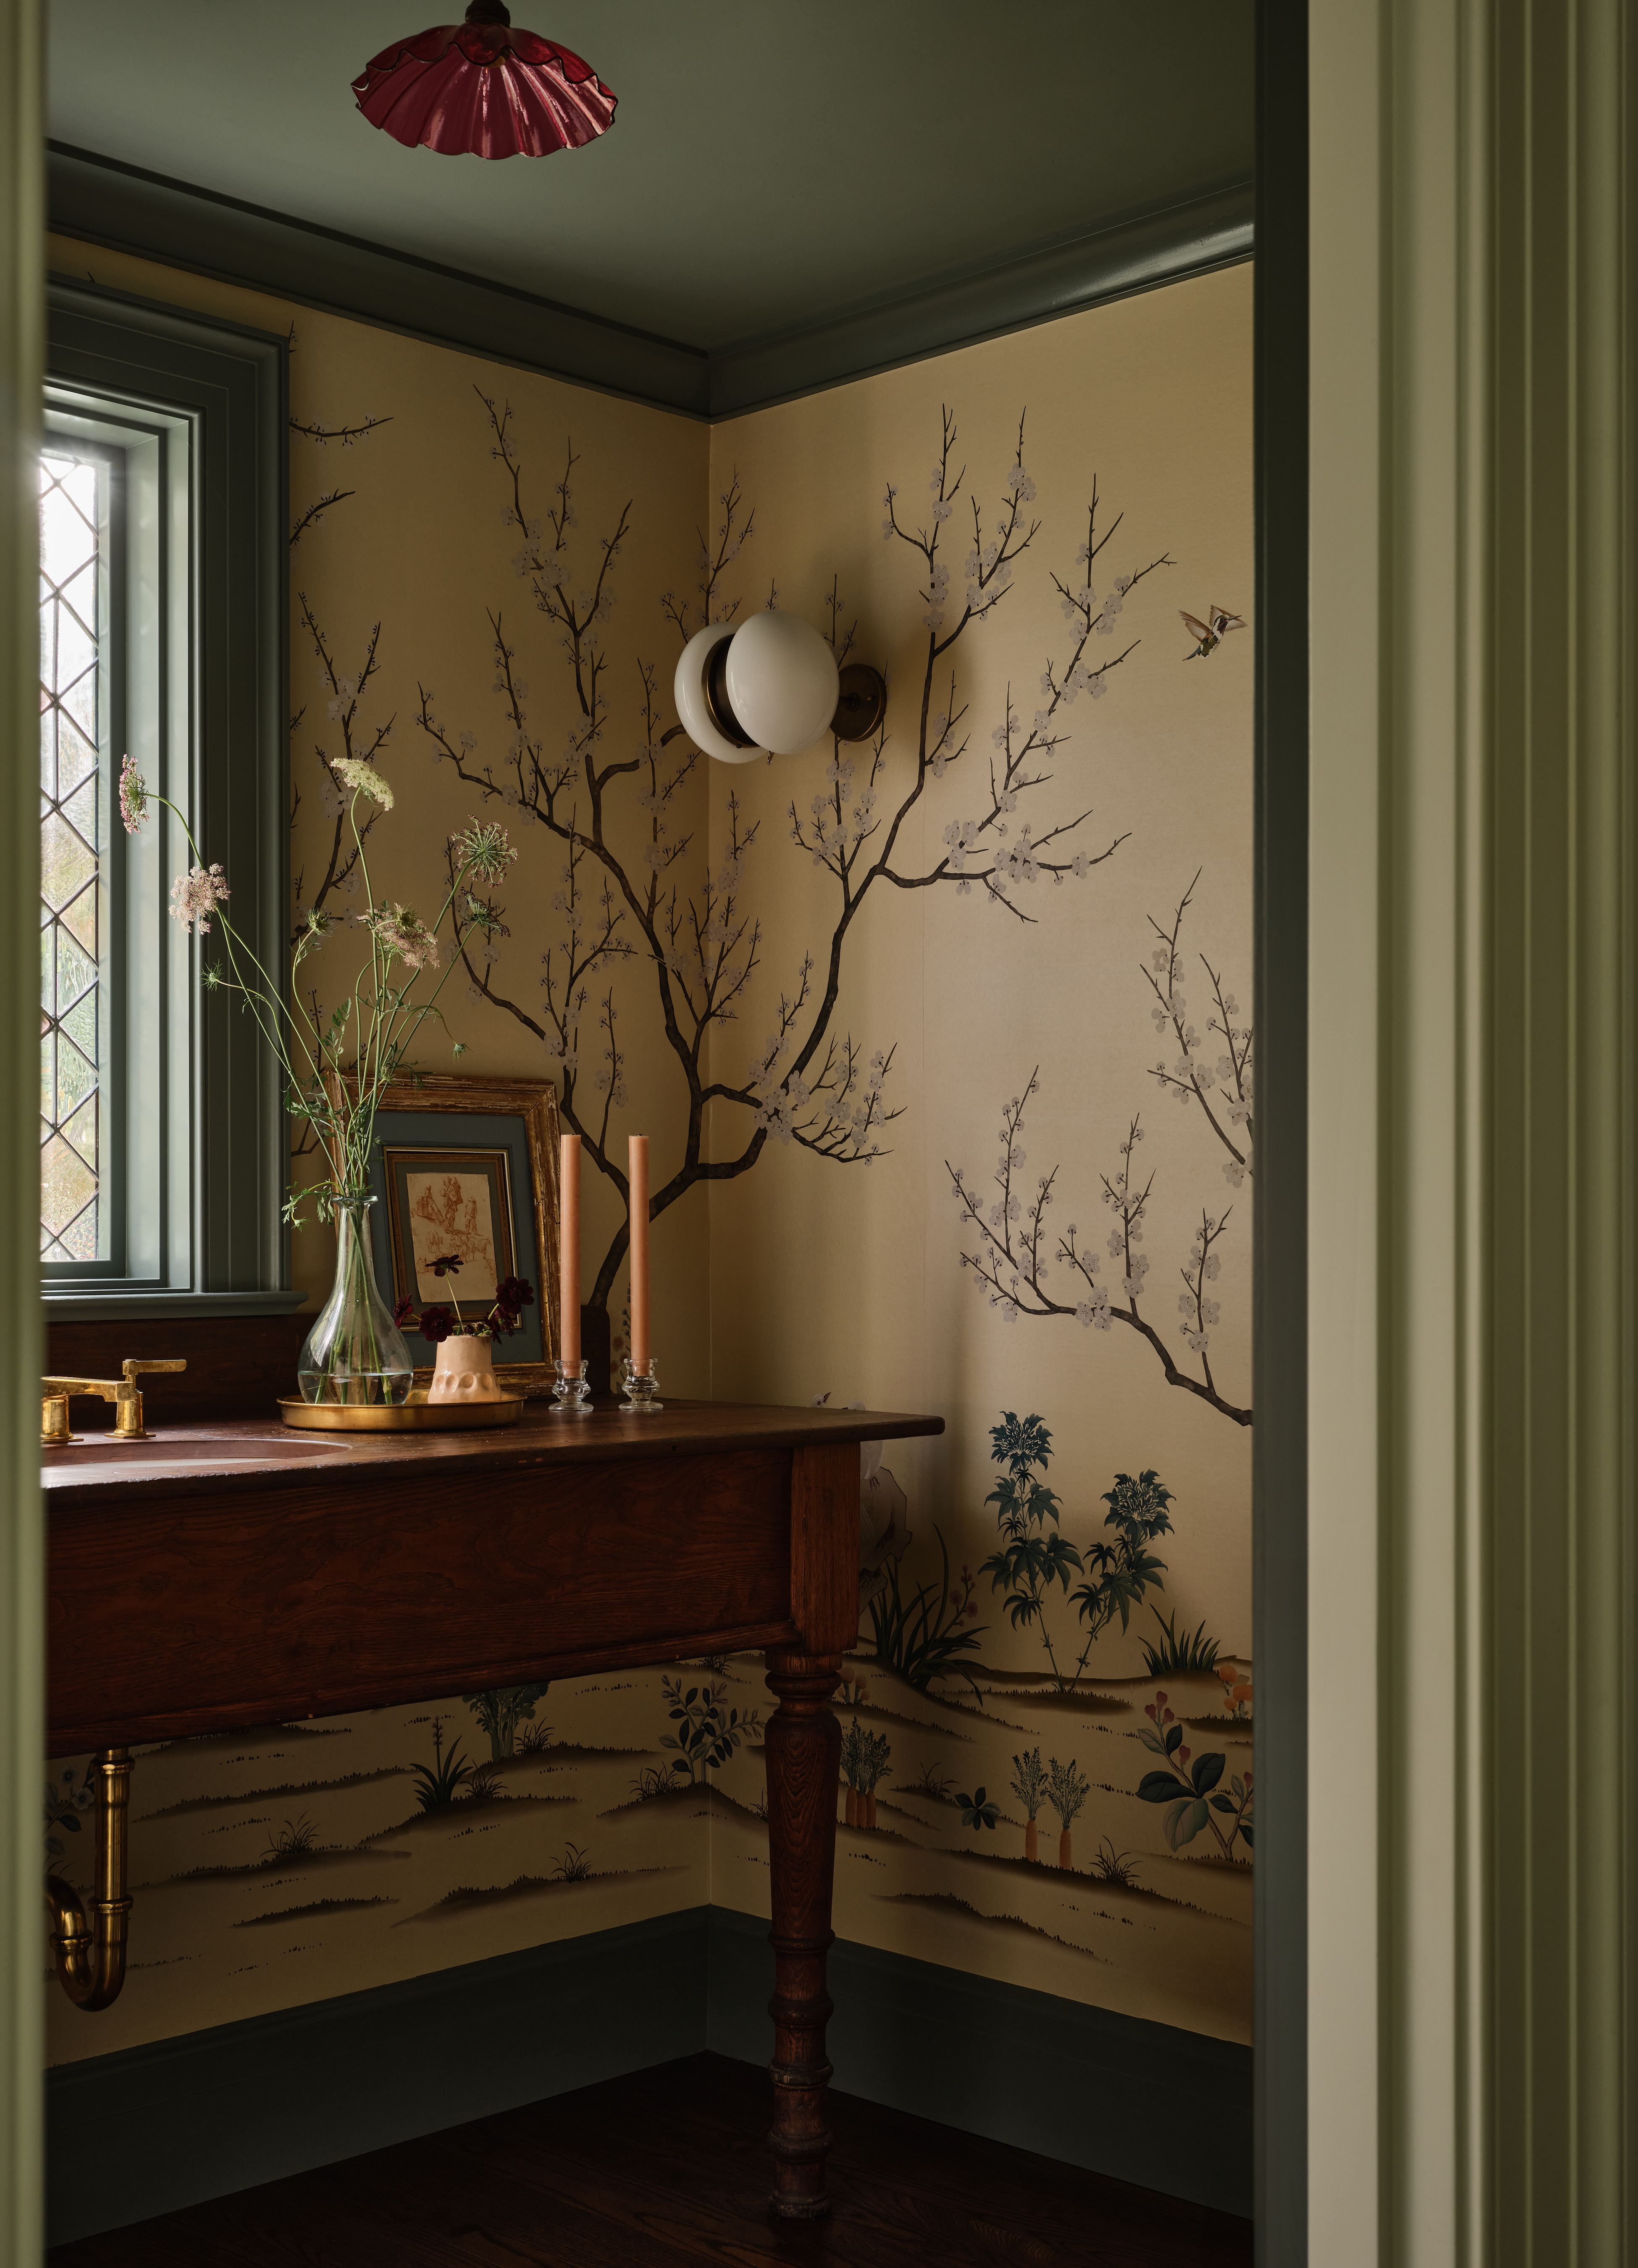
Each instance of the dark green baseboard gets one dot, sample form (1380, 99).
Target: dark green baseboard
(1167, 2108)
(151, 2129)
(220, 2110)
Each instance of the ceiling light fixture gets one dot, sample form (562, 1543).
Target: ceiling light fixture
(484, 89)
(772, 683)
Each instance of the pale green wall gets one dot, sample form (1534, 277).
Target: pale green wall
(1472, 1814)
(21, 1663)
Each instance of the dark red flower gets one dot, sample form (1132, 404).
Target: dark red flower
(447, 1263)
(403, 1314)
(513, 1294)
(437, 1323)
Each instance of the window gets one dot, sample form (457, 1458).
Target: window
(76, 718)
(162, 632)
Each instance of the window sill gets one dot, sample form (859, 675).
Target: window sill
(97, 1305)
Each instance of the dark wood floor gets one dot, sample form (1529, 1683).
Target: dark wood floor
(666, 2169)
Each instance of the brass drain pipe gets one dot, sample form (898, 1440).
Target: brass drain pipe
(89, 1949)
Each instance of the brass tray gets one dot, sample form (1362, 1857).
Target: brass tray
(415, 1415)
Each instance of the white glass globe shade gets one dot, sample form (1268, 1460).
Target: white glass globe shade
(688, 691)
(782, 681)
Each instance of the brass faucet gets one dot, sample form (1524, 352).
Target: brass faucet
(122, 1391)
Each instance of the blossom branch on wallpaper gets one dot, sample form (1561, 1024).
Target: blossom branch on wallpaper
(344, 698)
(313, 516)
(578, 618)
(1188, 1076)
(1014, 1253)
(322, 436)
(709, 605)
(342, 875)
(979, 849)
(812, 1083)
(347, 435)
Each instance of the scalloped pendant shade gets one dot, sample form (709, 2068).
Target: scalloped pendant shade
(481, 88)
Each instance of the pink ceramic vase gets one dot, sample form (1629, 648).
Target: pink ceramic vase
(465, 1370)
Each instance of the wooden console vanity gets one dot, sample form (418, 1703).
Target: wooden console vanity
(234, 1574)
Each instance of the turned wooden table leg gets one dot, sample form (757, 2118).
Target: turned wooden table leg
(804, 1745)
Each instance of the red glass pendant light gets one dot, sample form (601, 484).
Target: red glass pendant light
(483, 88)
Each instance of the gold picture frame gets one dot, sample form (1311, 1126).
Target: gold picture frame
(429, 1096)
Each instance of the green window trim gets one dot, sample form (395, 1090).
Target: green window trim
(197, 412)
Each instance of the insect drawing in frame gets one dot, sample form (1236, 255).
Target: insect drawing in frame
(1209, 634)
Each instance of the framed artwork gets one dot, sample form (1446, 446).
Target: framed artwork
(469, 1165)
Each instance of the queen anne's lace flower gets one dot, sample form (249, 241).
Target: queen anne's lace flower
(196, 896)
(363, 779)
(133, 796)
(484, 847)
(400, 930)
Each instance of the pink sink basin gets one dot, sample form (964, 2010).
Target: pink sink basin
(172, 1457)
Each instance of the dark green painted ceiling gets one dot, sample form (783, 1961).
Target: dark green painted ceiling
(774, 161)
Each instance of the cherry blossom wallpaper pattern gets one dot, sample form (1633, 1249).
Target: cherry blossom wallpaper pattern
(913, 982)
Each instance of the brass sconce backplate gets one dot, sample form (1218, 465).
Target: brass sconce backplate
(861, 703)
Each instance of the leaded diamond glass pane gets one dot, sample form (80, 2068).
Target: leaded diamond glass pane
(76, 973)
(79, 919)
(77, 648)
(66, 864)
(81, 1130)
(80, 592)
(77, 1077)
(80, 701)
(80, 810)
(68, 539)
(74, 789)
(76, 757)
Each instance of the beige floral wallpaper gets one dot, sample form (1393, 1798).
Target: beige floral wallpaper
(958, 1017)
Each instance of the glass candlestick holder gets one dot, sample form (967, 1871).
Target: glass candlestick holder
(642, 1386)
(572, 1394)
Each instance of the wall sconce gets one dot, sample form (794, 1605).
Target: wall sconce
(771, 682)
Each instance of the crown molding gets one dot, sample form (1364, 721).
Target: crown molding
(1139, 253)
(101, 200)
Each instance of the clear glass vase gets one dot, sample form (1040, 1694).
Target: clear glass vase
(355, 1351)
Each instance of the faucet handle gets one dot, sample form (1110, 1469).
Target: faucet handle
(127, 1417)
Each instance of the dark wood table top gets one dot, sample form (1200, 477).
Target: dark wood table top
(194, 1458)
(234, 1573)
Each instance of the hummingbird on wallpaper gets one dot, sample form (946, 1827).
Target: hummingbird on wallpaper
(1211, 632)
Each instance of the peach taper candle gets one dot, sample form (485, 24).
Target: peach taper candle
(569, 1249)
(637, 1176)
